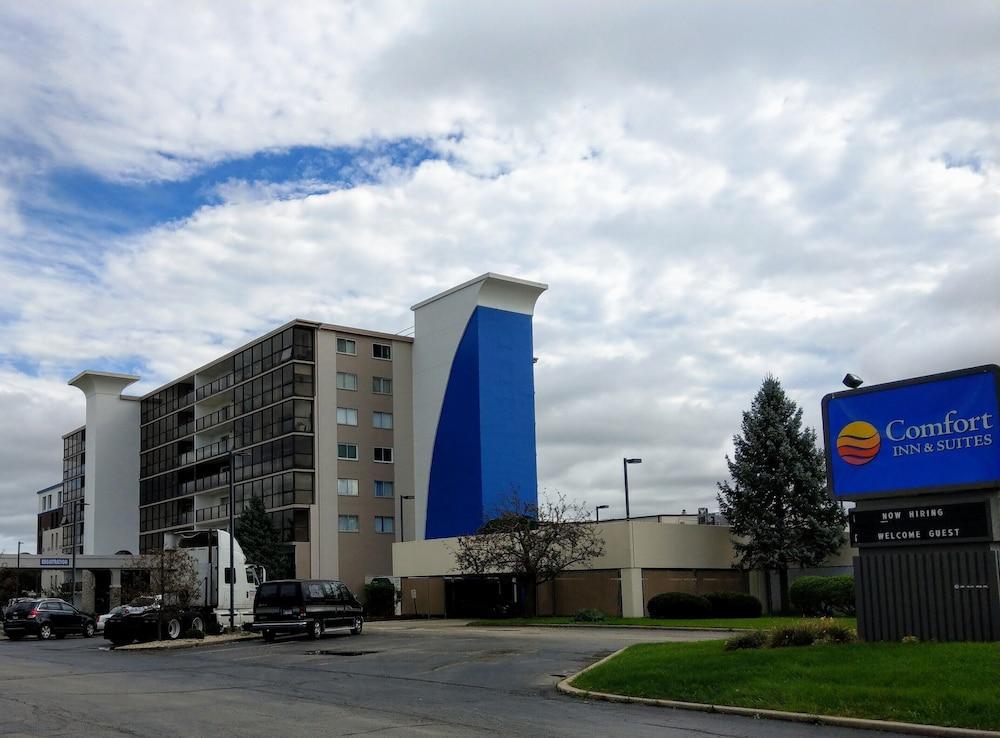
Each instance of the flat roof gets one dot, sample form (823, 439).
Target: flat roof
(296, 321)
(109, 375)
(75, 430)
(482, 278)
(49, 488)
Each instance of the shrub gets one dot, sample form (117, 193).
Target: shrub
(831, 632)
(793, 635)
(806, 595)
(734, 605)
(840, 594)
(193, 633)
(589, 615)
(675, 605)
(750, 639)
(823, 595)
(910, 639)
(380, 598)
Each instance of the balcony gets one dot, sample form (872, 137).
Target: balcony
(213, 481)
(215, 386)
(219, 416)
(217, 512)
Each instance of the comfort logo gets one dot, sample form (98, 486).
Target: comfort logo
(858, 443)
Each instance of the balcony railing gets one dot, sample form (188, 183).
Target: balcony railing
(219, 416)
(215, 386)
(218, 512)
(210, 482)
(214, 449)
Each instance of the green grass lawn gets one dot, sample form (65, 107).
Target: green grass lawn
(952, 684)
(730, 623)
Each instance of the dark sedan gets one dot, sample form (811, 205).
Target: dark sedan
(47, 618)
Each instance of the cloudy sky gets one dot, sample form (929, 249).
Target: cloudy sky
(713, 192)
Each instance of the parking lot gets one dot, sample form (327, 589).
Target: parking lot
(411, 678)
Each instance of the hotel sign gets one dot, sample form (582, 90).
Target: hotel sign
(932, 434)
(961, 522)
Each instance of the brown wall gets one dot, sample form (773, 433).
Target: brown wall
(430, 595)
(579, 590)
(692, 581)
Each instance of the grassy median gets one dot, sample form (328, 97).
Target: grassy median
(727, 623)
(951, 684)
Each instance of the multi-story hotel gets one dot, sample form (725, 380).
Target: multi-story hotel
(334, 428)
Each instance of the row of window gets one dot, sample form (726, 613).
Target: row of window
(167, 429)
(291, 416)
(74, 466)
(349, 416)
(291, 343)
(349, 524)
(349, 488)
(290, 452)
(349, 452)
(167, 514)
(349, 381)
(349, 347)
(280, 384)
(290, 488)
(74, 443)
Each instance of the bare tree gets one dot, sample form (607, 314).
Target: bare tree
(534, 542)
(172, 574)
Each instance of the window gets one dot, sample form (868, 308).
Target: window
(383, 524)
(382, 385)
(383, 455)
(347, 523)
(347, 416)
(347, 381)
(383, 489)
(382, 420)
(347, 487)
(347, 451)
(382, 351)
(347, 346)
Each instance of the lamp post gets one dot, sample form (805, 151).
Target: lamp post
(18, 585)
(77, 539)
(597, 511)
(231, 569)
(401, 498)
(625, 463)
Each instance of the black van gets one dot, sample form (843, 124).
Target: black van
(305, 606)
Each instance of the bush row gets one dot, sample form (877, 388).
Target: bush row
(823, 595)
(681, 605)
(803, 634)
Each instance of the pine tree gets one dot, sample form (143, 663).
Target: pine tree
(777, 504)
(260, 542)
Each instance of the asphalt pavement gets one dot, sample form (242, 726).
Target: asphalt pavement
(400, 678)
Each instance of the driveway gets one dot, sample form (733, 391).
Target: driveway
(409, 678)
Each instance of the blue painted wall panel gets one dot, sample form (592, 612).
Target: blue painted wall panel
(484, 448)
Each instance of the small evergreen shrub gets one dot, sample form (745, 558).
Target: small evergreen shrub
(678, 605)
(910, 639)
(734, 605)
(193, 633)
(590, 615)
(750, 639)
(792, 635)
(823, 595)
(380, 598)
(840, 594)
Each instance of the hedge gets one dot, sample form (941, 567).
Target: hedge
(734, 605)
(823, 595)
(678, 605)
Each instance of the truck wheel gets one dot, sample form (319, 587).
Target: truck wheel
(315, 629)
(173, 629)
(357, 626)
(197, 624)
(269, 636)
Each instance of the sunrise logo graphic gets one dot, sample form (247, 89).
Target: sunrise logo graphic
(858, 443)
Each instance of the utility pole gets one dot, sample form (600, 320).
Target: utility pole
(17, 587)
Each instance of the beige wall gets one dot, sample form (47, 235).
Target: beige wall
(429, 596)
(578, 590)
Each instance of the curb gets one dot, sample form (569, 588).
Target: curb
(695, 628)
(179, 645)
(565, 687)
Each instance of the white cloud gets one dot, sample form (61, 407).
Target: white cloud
(712, 193)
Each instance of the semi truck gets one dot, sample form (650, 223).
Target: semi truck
(209, 610)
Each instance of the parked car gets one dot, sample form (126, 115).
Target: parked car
(144, 623)
(309, 606)
(47, 618)
(104, 618)
(9, 605)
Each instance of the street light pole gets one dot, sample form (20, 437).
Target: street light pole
(76, 533)
(401, 498)
(231, 569)
(597, 512)
(625, 462)
(18, 585)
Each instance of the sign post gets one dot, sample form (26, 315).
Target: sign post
(920, 459)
